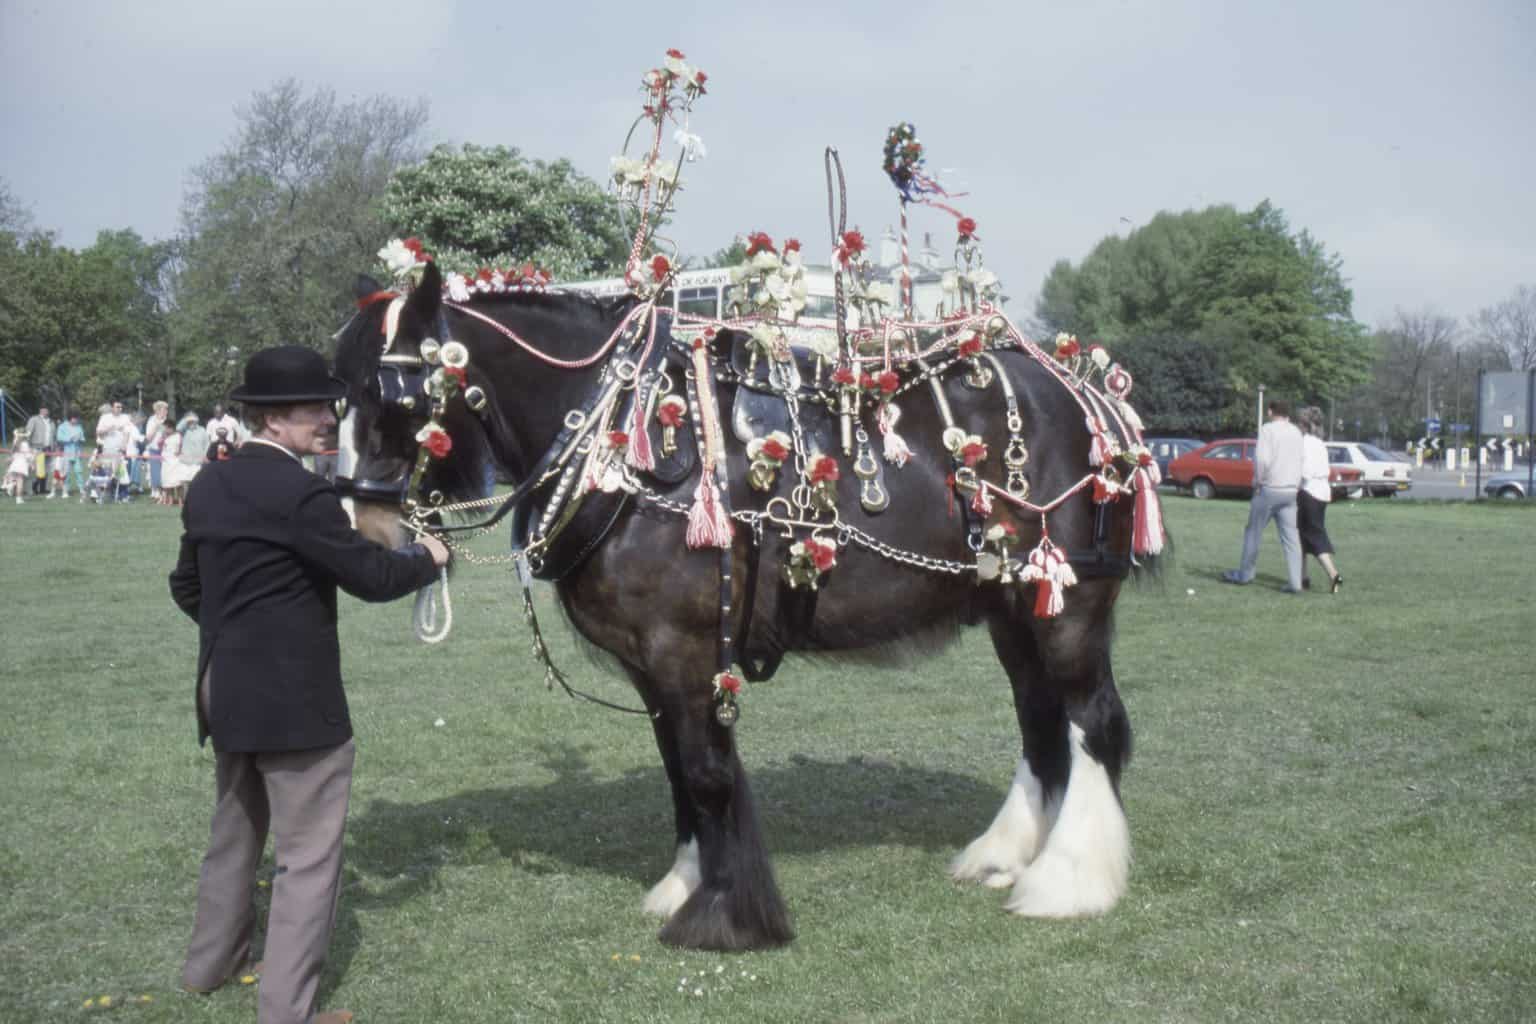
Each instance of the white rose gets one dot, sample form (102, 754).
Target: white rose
(879, 292)
(765, 260)
(458, 288)
(950, 282)
(1099, 356)
(691, 145)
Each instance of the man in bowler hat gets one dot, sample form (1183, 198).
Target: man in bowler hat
(265, 545)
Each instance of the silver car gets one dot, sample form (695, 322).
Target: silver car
(1506, 485)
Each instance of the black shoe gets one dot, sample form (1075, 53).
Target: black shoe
(1338, 581)
(1306, 583)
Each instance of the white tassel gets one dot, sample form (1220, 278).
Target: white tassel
(897, 451)
(708, 524)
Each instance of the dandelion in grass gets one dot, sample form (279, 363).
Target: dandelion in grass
(247, 979)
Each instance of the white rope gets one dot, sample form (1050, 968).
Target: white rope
(425, 616)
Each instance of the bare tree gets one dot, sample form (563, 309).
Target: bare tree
(1511, 326)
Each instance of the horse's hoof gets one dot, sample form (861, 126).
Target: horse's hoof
(1053, 887)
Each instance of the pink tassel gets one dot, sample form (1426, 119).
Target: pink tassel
(639, 455)
(897, 451)
(981, 504)
(1147, 533)
(708, 524)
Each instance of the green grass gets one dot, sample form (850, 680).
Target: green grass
(1331, 802)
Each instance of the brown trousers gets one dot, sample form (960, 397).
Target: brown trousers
(301, 797)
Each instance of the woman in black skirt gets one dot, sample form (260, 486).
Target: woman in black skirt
(1313, 498)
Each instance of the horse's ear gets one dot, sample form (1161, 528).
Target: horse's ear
(365, 286)
(427, 296)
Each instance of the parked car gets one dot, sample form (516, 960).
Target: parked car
(1166, 449)
(1385, 473)
(1506, 485)
(1226, 467)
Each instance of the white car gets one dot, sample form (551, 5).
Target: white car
(1385, 473)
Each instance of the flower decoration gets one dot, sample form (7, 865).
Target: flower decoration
(903, 157)
(767, 283)
(850, 247)
(767, 454)
(727, 686)
(807, 560)
(660, 267)
(822, 475)
(435, 439)
(882, 385)
(1002, 532)
(457, 374)
(970, 346)
(844, 376)
(1067, 346)
(403, 258)
(967, 228)
(670, 413)
(759, 241)
(970, 449)
(727, 683)
(1099, 356)
(617, 439)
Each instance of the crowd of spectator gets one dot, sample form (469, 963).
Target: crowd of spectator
(119, 456)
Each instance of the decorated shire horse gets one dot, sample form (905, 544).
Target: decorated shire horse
(683, 549)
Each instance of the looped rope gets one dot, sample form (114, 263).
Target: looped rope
(424, 617)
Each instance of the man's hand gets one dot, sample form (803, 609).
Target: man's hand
(436, 548)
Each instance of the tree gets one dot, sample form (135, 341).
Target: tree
(278, 224)
(1412, 350)
(1260, 306)
(1511, 326)
(481, 206)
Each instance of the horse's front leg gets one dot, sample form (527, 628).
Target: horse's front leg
(734, 903)
(669, 894)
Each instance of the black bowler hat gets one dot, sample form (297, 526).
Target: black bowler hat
(288, 374)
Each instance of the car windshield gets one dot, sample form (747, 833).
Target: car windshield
(1375, 454)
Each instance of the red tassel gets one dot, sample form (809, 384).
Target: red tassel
(639, 455)
(708, 524)
(1147, 532)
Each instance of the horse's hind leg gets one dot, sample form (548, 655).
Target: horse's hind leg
(737, 903)
(667, 895)
(998, 857)
(1083, 865)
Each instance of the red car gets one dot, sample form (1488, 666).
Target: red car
(1226, 467)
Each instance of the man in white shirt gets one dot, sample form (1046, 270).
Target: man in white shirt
(112, 432)
(1276, 479)
(235, 430)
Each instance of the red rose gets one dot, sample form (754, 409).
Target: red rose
(617, 438)
(758, 241)
(791, 245)
(967, 228)
(670, 414)
(1067, 349)
(1144, 458)
(774, 450)
(842, 375)
(728, 683)
(457, 373)
(439, 444)
(973, 453)
(413, 244)
(824, 468)
(1009, 530)
(660, 267)
(970, 347)
(823, 556)
(866, 382)
(853, 241)
(484, 275)
(675, 54)
(889, 382)
(699, 78)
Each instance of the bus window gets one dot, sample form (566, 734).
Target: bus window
(699, 301)
(821, 307)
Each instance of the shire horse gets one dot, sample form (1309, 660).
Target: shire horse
(634, 589)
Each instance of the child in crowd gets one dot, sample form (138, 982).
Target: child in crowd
(101, 484)
(173, 473)
(221, 449)
(18, 472)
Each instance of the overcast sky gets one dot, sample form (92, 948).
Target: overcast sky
(1399, 133)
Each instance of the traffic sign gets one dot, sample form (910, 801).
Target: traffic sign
(1432, 425)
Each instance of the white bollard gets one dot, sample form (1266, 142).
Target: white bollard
(1509, 458)
(1482, 457)
(1450, 459)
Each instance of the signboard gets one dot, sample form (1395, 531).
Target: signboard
(1503, 402)
(1432, 425)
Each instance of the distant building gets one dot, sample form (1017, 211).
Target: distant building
(706, 292)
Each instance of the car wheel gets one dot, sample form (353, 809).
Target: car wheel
(1202, 488)
(1510, 492)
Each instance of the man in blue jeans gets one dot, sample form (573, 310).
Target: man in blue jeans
(1276, 479)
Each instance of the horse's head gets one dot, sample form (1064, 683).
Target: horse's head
(391, 356)
(499, 415)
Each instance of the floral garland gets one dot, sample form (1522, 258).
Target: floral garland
(768, 282)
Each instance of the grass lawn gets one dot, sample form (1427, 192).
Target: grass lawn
(1333, 803)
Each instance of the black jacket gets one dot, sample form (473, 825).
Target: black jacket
(266, 544)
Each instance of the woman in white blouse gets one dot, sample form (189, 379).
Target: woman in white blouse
(1313, 498)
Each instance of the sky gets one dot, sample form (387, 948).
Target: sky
(1398, 133)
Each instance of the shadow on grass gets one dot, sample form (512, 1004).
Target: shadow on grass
(624, 826)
